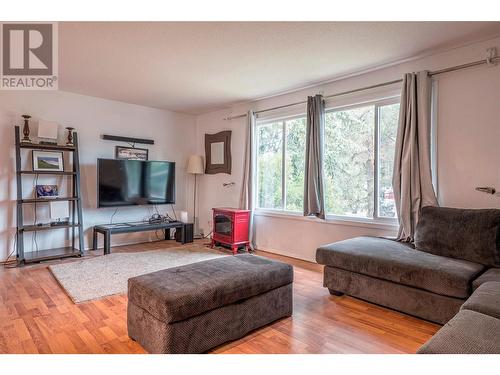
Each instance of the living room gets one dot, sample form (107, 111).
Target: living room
(255, 187)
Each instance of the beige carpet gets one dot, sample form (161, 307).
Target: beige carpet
(106, 275)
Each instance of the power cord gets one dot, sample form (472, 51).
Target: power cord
(157, 237)
(112, 216)
(166, 214)
(11, 263)
(173, 210)
(35, 218)
(35, 232)
(158, 217)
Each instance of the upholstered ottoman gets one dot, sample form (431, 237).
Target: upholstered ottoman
(194, 308)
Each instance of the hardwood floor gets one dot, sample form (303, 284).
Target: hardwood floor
(36, 316)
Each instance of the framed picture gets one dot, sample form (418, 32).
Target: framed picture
(131, 153)
(48, 161)
(46, 191)
(218, 152)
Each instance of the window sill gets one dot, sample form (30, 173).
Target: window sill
(388, 224)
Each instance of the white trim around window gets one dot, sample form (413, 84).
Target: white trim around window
(377, 103)
(283, 120)
(385, 224)
(376, 222)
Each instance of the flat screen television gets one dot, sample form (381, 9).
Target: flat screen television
(134, 182)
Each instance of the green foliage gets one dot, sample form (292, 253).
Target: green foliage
(294, 166)
(348, 162)
(269, 159)
(388, 120)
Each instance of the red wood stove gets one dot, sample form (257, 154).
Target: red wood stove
(230, 227)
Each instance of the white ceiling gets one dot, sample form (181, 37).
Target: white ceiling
(194, 67)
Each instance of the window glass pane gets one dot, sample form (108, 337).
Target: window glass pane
(348, 162)
(269, 165)
(388, 126)
(294, 164)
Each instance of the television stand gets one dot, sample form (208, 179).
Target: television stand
(108, 229)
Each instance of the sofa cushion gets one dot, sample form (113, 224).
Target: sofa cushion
(179, 293)
(485, 300)
(493, 274)
(469, 332)
(472, 235)
(414, 301)
(397, 262)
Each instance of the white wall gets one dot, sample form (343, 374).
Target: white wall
(91, 117)
(468, 137)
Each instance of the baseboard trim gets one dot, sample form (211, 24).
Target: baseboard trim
(284, 254)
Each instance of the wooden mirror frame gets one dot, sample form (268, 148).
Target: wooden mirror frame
(224, 137)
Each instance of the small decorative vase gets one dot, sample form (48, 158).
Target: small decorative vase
(26, 129)
(70, 136)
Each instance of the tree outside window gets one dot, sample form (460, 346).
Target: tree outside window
(358, 161)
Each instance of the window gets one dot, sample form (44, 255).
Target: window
(280, 164)
(270, 165)
(387, 129)
(358, 160)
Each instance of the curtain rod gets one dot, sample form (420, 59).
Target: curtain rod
(487, 61)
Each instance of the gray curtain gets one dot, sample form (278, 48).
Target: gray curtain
(412, 181)
(314, 200)
(246, 196)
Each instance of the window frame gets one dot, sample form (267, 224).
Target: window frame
(377, 103)
(283, 120)
(373, 222)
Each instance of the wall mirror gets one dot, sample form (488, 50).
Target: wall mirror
(218, 152)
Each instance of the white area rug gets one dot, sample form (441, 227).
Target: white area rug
(106, 275)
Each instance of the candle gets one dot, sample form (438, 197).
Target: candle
(184, 216)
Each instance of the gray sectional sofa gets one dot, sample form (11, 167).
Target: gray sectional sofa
(475, 329)
(455, 252)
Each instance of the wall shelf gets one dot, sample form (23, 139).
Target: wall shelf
(47, 200)
(60, 173)
(41, 255)
(38, 146)
(38, 228)
(74, 200)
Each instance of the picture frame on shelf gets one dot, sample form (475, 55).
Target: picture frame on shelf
(46, 191)
(131, 153)
(48, 161)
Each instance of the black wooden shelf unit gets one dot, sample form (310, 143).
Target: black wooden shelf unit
(37, 228)
(74, 200)
(44, 200)
(47, 147)
(55, 173)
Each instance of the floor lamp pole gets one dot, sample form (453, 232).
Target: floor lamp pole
(194, 208)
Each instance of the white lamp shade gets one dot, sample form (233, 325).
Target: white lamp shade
(195, 165)
(47, 129)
